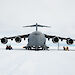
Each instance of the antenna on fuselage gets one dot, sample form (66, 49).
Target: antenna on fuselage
(36, 25)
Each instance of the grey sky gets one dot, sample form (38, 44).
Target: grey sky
(59, 14)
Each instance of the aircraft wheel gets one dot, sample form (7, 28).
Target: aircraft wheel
(42, 48)
(28, 48)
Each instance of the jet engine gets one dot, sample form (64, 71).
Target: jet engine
(55, 39)
(18, 39)
(4, 40)
(69, 41)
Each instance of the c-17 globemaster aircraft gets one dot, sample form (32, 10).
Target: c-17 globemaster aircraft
(37, 40)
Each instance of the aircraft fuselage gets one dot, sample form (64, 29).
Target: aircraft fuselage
(36, 39)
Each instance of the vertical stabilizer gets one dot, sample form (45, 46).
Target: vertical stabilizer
(36, 27)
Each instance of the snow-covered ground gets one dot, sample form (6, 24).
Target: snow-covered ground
(24, 62)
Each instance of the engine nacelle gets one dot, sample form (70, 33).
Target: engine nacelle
(55, 39)
(18, 39)
(69, 41)
(4, 40)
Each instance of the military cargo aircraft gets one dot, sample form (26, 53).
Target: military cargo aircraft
(37, 40)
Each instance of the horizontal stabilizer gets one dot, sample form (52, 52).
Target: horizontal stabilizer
(36, 25)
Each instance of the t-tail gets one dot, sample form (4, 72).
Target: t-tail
(36, 25)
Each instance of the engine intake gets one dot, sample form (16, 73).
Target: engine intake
(69, 41)
(18, 39)
(4, 40)
(55, 39)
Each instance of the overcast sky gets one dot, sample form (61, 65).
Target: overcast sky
(59, 14)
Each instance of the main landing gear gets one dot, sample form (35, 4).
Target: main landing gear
(36, 48)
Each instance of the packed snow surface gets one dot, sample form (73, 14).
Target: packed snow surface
(24, 62)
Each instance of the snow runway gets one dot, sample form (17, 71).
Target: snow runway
(17, 62)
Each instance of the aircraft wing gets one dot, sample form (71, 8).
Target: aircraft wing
(22, 36)
(18, 38)
(56, 39)
(50, 36)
